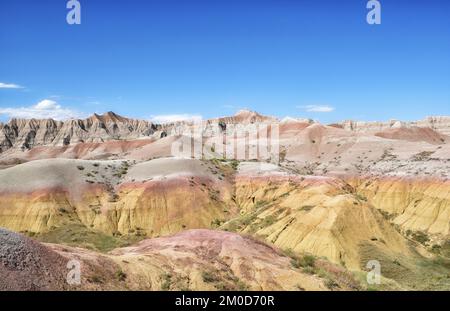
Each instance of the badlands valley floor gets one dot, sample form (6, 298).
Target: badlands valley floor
(106, 191)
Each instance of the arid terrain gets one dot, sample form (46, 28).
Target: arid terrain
(109, 192)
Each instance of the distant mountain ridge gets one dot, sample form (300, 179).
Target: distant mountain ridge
(28, 133)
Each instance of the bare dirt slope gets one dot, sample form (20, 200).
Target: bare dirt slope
(194, 260)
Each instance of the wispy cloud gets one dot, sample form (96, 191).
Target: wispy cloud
(10, 86)
(170, 118)
(317, 108)
(45, 109)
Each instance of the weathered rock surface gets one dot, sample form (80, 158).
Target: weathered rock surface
(26, 134)
(440, 124)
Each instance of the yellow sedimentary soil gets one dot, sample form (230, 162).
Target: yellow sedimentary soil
(152, 208)
(317, 215)
(320, 215)
(36, 212)
(413, 203)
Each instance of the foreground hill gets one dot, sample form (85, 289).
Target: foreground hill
(192, 260)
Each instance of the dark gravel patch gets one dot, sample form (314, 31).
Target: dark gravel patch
(29, 265)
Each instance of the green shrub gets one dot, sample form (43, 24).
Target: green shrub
(420, 237)
(209, 277)
(268, 221)
(120, 275)
(166, 281)
(307, 208)
(305, 261)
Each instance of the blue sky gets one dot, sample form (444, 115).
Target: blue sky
(145, 58)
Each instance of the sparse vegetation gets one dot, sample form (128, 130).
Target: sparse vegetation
(74, 234)
(120, 275)
(216, 223)
(268, 221)
(305, 261)
(209, 277)
(422, 156)
(420, 237)
(361, 197)
(298, 261)
(306, 208)
(166, 281)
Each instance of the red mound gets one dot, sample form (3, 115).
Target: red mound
(414, 134)
(88, 150)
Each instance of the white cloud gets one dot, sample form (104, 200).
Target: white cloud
(47, 104)
(45, 109)
(10, 86)
(170, 118)
(317, 108)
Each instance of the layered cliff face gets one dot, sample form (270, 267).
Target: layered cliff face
(102, 204)
(440, 124)
(158, 197)
(319, 215)
(26, 134)
(417, 205)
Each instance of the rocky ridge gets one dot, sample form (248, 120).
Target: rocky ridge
(25, 134)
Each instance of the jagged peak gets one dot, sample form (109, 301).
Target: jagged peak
(107, 117)
(246, 112)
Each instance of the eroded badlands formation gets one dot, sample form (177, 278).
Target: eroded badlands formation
(340, 195)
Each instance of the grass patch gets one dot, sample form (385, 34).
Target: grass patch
(78, 235)
(300, 261)
(209, 277)
(412, 273)
(305, 261)
(268, 221)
